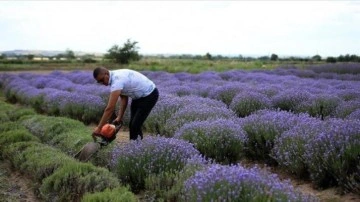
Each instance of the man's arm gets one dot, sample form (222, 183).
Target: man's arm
(123, 104)
(114, 96)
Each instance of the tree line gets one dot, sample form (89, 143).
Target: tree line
(129, 52)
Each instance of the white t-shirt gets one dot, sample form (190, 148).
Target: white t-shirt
(131, 83)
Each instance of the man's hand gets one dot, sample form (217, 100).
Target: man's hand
(97, 130)
(114, 96)
(117, 121)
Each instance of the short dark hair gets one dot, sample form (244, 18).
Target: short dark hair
(97, 71)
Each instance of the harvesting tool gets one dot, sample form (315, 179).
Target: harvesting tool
(106, 136)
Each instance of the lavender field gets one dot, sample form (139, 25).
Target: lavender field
(304, 121)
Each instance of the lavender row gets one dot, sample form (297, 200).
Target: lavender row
(326, 152)
(173, 169)
(242, 92)
(56, 96)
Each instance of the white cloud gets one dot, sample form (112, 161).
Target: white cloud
(197, 27)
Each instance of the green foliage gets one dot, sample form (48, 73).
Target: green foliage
(320, 106)
(245, 104)
(316, 58)
(6, 107)
(168, 186)
(40, 162)
(71, 141)
(353, 180)
(274, 57)
(220, 140)
(35, 159)
(331, 60)
(208, 56)
(4, 118)
(69, 54)
(10, 125)
(73, 180)
(18, 113)
(102, 157)
(17, 135)
(124, 54)
(47, 127)
(120, 194)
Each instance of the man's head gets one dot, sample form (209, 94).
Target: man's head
(101, 75)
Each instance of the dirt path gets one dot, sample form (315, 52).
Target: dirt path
(305, 186)
(15, 186)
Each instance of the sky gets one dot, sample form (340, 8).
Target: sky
(285, 28)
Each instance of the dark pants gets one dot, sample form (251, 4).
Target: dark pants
(139, 111)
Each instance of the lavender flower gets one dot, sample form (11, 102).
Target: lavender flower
(263, 127)
(166, 106)
(354, 115)
(221, 140)
(334, 153)
(322, 105)
(195, 112)
(290, 99)
(180, 90)
(247, 102)
(226, 93)
(236, 183)
(136, 160)
(346, 108)
(289, 147)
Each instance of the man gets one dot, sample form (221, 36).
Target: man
(125, 83)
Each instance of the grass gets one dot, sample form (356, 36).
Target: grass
(155, 64)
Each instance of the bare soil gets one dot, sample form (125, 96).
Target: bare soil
(14, 185)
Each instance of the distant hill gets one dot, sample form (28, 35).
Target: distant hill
(45, 53)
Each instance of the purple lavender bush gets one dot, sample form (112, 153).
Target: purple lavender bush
(166, 106)
(289, 147)
(247, 102)
(269, 90)
(180, 90)
(80, 77)
(263, 127)
(333, 155)
(226, 93)
(137, 160)
(221, 140)
(236, 183)
(339, 68)
(344, 109)
(11, 85)
(195, 112)
(349, 94)
(321, 106)
(290, 99)
(354, 115)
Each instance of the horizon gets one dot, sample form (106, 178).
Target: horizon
(168, 54)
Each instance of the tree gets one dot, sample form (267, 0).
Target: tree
(316, 57)
(274, 57)
(125, 54)
(208, 56)
(331, 60)
(30, 57)
(69, 54)
(2, 56)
